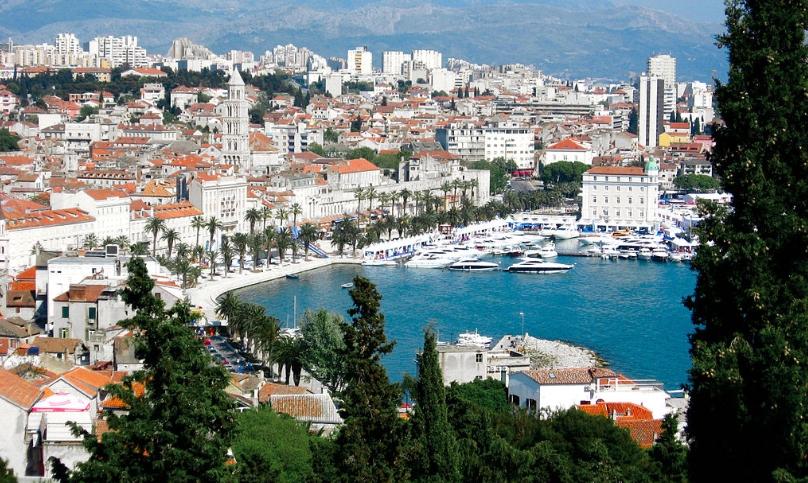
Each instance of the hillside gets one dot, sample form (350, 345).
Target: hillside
(593, 39)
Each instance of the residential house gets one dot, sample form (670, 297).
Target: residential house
(17, 397)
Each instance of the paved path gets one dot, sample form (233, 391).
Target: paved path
(204, 296)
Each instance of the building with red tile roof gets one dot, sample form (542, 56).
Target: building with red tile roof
(17, 397)
(640, 422)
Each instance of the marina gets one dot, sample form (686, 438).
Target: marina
(629, 311)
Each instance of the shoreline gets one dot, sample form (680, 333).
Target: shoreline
(203, 297)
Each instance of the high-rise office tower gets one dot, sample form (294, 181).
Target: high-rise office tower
(651, 112)
(664, 67)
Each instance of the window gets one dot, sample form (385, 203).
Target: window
(628, 213)
(605, 199)
(66, 312)
(618, 200)
(91, 313)
(617, 213)
(606, 188)
(594, 199)
(629, 200)
(642, 201)
(594, 212)
(478, 358)
(629, 188)
(618, 188)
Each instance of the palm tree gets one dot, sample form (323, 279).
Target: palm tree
(227, 252)
(307, 235)
(183, 250)
(283, 241)
(108, 240)
(193, 275)
(170, 236)
(197, 253)
(228, 308)
(90, 241)
(154, 226)
(370, 194)
(384, 198)
(288, 352)
(359, 194)
(455, 184)
(282, 215)
(212, 257)
(266, 213)
(256, 242)
(295, 211)
(252, 216)
(270, 235)
(198, 222)
(446, 187)
(266, 332)
(183, 268)
(405, 195)
(139, 249)
(122, 241)
(418, 197)
(240, 242)
(394, 197)
(212, 225)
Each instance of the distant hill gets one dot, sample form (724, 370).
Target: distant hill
(569, 38)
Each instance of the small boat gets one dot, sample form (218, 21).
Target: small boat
(644, 253)
(546, 251)
(538, 265)
(292, 276)
(660, 255)
(473, 339)
(347, 285)
(379, 263)
(473, 265)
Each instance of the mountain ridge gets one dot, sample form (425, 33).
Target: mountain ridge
(608, 42)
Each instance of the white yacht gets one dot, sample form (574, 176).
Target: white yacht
(473, 265)
(539, 266)
(428, 261)
(660, 254)
(379, 263)
(546, 251)
(565, 232)
(473, 339)
(644, 253)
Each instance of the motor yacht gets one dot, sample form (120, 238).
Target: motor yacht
(473, 339)
(428, 261)
(546, 251)
(379, 263)
(473, 265)
(537, 265)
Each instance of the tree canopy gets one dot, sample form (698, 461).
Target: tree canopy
(564, 172)
(696, 182)
(8, 141)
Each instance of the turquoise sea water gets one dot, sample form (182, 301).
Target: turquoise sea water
(629, 311)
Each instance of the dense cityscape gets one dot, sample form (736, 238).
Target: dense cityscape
(141, 190)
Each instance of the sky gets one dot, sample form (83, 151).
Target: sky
(700, 10)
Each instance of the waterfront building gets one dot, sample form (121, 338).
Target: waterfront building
(109, 208)
(620, 197)
(224, 197)
(499, 137)
(235, 124)
(651, 110)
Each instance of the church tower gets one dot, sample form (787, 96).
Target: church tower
(235, 124)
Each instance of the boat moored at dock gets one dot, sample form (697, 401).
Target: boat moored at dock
(538, 265)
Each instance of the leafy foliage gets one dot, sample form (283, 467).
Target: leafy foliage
(564, 172)
(271, 447)
(323, 346)
(180, 427)
(696, 182)
(8, 141)
(749, 381)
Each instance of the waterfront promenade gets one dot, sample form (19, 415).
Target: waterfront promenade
(203, 296)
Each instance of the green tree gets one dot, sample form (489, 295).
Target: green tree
(372, 438)
(170, 236)
(749, 378)
(307, 235)
(197, 223)
(252, 216)
(696, 182)
(86, 111)
(271, 447)
(633, 122)
(240, 242)
(564, 172)
(6, 473)
(498, 178)
(8, 141)
(669, 453)
(436, 452)
(181, 426)
(323, 347)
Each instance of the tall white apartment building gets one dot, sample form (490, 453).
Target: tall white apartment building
(235, 124)
(620, 197)
(68, 44)
(392, 61)
(432, 59)
(510, 140)
(119, 51)
(664, 67)
(360, 61)
(651, 110)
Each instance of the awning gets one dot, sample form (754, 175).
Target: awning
(62, 403)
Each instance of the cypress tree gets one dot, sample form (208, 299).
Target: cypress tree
(749, 381)
(371, 441)
(436, 451)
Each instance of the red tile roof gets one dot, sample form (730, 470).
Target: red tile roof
(583, 375)
(632, 170)
(17, 390)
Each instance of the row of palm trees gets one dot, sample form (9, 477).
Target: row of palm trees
(420, 198)
(261, 335)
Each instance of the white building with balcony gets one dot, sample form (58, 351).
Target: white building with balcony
(620, 197)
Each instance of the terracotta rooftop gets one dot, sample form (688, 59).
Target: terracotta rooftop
(583, 375)
(17, 390)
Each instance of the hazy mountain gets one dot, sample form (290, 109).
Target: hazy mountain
(572, 38)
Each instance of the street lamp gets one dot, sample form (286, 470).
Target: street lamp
(522, 314)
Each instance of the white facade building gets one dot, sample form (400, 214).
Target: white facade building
(620, 197)
(651, 110)
(224, 197)
(431, 59)
(512, 141)
(360, 61)
(442, 80)
(664, 67)
(392, 61)
(119, 51)
(109, 207)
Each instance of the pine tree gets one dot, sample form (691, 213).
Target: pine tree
(371, 441)
(633, 120)
(749, 381)
(180, 427)
(436, 451)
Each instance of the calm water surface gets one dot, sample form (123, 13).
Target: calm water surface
(629, 311)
